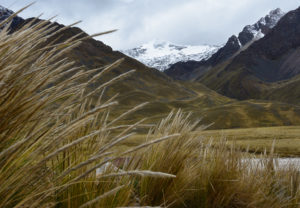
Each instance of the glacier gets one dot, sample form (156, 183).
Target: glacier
(161, 54)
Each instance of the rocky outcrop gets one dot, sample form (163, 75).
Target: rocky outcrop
(5, 13)
(274, 58)
(234, 44)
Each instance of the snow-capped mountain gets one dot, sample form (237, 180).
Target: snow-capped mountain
(235, 44)
(5, 11)
(261, 27)
(162, 54)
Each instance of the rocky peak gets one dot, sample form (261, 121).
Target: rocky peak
(232, 46)
(261, 27)
(234, 41)
(248, 34)
(5, 13)
(272, 18)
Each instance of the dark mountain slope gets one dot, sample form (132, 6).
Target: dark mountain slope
(165, 94)
(94, 54)
(273, 58)
(5, 13)
(250, 33)
(284, 91)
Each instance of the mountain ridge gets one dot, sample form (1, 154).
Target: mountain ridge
(5, 13)
(234, 45)
(267, 64)
(165, 94)
(161, 54)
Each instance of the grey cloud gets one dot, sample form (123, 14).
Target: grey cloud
(139, 21)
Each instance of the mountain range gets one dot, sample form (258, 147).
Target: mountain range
(213, 95)
(162, 54)
(235, 44)
(264, 68)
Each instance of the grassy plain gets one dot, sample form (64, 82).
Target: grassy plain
(286, 138)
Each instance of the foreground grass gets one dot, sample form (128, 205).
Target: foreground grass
(212, 174)
(54, 136)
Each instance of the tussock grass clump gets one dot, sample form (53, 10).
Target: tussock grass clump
(212, 174)
(53, 135)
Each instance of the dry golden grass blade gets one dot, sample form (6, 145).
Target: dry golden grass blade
(75, 142)
(143, 173)
(115, 142)
(103, 33)
(149, 143)
(124, 153)
(110, 82)
(140, 207)
(127, 113)
(92, 159)
(15, 14)
(119, 138)
(113, 191)
(106, 69)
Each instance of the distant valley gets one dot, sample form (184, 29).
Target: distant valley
(202, 86)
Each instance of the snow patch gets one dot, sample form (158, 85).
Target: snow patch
(5, 12)
(162, 54)
(259, 35)
(271, 19)
(239, 42)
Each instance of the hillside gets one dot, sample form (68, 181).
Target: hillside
(165, 94)
(234, 45)
(254, 73)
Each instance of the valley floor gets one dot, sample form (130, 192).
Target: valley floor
(286, 138)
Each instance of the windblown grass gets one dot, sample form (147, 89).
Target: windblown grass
(212, 174)
(52, 138)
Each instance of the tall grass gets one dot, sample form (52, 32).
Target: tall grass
(54, 136)
(212, 174)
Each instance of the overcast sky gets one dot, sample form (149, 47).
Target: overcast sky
(138, 21)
